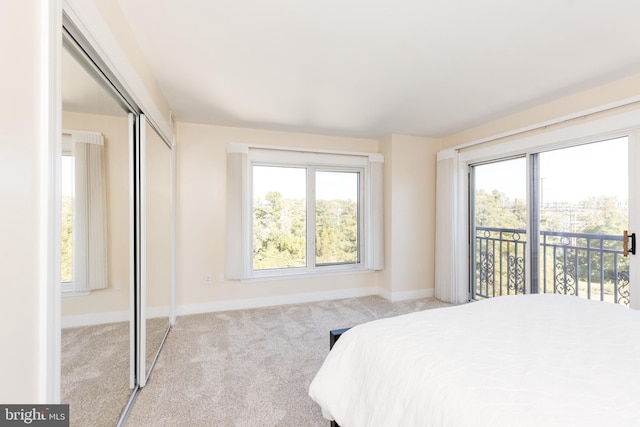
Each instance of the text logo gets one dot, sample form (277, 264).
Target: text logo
(34, 415)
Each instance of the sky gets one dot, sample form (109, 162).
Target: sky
(291, 183)
(569, 174)
(67, 176)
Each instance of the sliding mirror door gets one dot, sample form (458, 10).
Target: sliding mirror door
(156, 214)
(96, 239)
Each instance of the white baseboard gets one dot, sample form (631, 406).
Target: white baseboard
(241, 304)
(406, 295)
(110, 317)
(94, 319)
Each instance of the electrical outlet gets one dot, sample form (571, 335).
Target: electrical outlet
(116, 285)
(207, 279)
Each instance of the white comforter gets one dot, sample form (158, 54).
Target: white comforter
(535, 360)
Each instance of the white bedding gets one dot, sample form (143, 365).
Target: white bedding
(534, 360)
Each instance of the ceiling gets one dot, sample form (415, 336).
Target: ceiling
(374, 67)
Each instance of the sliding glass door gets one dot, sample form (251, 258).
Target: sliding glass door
(499, 212)
(553, 221)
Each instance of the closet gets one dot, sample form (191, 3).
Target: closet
(117, 247)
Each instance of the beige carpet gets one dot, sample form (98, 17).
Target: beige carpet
(251, 367)
(95, 370)
(95, 373)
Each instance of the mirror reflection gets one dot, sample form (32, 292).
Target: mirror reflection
(157, 223)
(95, 258)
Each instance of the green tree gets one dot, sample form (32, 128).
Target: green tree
(496, 210)
(66, 267)
(279, 225)
(279, 232)
(336, 231)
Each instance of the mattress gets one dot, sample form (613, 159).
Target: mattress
(529, 360)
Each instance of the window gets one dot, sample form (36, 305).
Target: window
(298, 212)
(66, 204)
(83, 205)
(455, 188)
(568, 230)
(279, 217)
(336, 211)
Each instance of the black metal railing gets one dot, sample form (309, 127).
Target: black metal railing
(586, 265)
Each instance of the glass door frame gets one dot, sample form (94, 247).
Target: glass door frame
(623, 124)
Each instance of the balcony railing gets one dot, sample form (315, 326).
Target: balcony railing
(586, 265)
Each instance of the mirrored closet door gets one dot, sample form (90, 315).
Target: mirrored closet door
(97, 361)
(117, 257)
(156, 252)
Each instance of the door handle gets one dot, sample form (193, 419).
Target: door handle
(626, 249)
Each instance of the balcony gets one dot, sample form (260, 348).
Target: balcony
(590, 266)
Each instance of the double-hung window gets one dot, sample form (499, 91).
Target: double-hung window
(294, 212)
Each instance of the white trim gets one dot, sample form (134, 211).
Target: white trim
(634, 220)
(132, 251)
(461, 235)
(599, 129)
(242, 304)
(449, 153)
(237, 147)
(249, 303)
(284, 274)
(69, 292)
(94, 319)
(173, 198)
(87, 18)
(569, 117)
(406, 295)
(307, 158)
(312, 163)
(376, 158)
(159, 312)
(84, 136)
(49, 364)
(239, 229)
(142, 344)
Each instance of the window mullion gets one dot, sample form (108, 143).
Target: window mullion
(534, 223)
(311, 218)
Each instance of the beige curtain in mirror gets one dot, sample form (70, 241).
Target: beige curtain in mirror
(89, 213)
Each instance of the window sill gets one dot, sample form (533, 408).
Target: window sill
(306, 275)
(72, 293)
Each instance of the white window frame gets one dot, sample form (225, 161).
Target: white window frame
(67, 150)
(370, 209)
(68, 289)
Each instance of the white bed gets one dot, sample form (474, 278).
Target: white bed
(534, 360)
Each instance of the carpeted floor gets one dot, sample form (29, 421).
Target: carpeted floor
(95, 373)
(251, 367)
(95, 370)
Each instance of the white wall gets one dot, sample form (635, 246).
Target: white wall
(607, 94)
(21, 270)
(410, 167)
(119, 26)
(200, 228)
